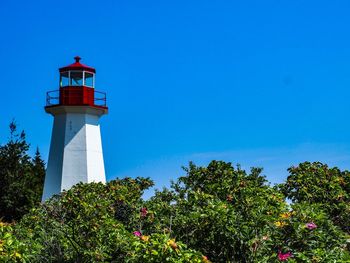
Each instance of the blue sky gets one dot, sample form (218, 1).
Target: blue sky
(262, 83)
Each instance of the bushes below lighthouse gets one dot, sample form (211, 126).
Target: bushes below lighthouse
(231, 215)
(84, 225)
(217, 213)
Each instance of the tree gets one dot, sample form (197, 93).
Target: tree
(21, 177)
(316, 183)
(232, 216)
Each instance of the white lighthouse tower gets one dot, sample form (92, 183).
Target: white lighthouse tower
(76, 149)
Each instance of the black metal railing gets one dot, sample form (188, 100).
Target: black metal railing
(100, 98)
(54, 97)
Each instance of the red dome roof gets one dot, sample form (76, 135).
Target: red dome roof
(77, 66)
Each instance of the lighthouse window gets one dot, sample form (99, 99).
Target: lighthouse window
(76, 78)
(64, 80)
(89, 79)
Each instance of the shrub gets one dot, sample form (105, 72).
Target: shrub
(316, 183)
(217, 213)
(84, 225)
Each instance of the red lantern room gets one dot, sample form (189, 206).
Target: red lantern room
(77, 88)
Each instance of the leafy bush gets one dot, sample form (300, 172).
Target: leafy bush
(84, 225)
(12, 249)
(232, 216)
(217, 213)
(316, 183)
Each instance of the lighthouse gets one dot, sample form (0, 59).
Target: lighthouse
(76, 148)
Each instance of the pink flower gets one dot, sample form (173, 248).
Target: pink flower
(311, 225)
(284, 256)
(137, 233)
(143, 212)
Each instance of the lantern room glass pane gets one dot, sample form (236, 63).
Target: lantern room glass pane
(76, 78)
(89, 79)
(64, 79)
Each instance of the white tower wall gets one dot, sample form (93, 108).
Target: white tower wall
(76, 149)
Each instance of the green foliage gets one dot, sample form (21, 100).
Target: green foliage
(219, 210)
(21, 177)
(11, 248)
(84, 225)
(308, 233)
(232, 216)
(316, 183)
(217, 213)
(160, 248)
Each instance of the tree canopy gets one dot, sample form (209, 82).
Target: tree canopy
(21, 176)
